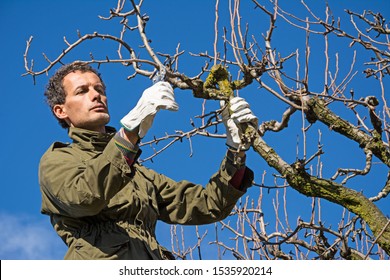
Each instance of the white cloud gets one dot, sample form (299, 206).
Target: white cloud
(28, 238)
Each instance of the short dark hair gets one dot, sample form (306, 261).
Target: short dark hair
(55, 93)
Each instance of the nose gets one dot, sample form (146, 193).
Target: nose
(94, 94)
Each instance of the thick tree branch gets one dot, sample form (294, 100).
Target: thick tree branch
(312, 186)
(317, 110)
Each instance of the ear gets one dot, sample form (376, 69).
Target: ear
(60, 111)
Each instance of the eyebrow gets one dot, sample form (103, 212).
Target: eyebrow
(99, 84)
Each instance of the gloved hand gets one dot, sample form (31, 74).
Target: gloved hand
(159, 96)
(233, 118)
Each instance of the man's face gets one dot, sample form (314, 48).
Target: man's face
(85, 102)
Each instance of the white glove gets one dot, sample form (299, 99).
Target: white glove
(159, 96)
(238, 113)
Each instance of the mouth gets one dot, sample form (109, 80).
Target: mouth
(99, 108)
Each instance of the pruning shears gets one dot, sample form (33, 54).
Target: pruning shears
(159, 75)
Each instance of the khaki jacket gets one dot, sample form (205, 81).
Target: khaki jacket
(102, 208)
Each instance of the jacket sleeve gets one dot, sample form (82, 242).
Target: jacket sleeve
(75, 186)
(192, 204)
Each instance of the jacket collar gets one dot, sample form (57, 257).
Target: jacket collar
(91, 140)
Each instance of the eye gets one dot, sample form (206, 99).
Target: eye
(81, 90)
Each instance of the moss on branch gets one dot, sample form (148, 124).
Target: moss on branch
(317, 110)
(311, 186)
(218, 84)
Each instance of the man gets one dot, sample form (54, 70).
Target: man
(101, 202)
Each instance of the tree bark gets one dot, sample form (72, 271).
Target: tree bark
(311, 186)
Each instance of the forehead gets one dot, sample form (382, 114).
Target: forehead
(78, 78)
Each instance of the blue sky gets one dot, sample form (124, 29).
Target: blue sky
(29, 128)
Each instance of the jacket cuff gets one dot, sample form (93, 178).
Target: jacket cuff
(229, 169)
(130, 152)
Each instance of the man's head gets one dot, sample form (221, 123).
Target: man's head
(77, 98)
